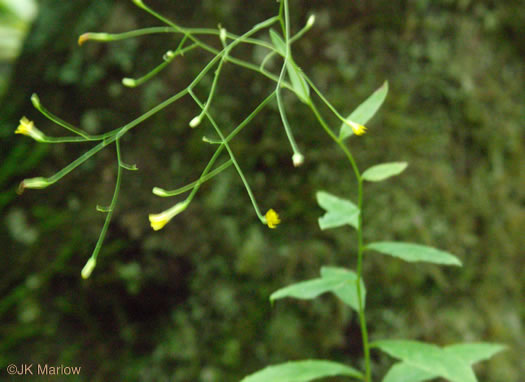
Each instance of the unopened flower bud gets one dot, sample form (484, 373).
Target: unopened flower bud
(33, 183)
(129, 82)
(35, 101)
(297, 159)
(223, 35)
(88, 268)
(311, 21)
(196, 121)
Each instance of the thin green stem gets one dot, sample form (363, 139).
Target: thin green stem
(230, 136)
(168, 58)
(360, 248)
(77, 162)
(233, 60)
(112, 136)
(48, 139)
(280, 105)
(123, 130)
(213, 86)
(110, 37)
(189, 33)
(204, 108)
(111, 209)
(301, 32)
(362, 316)
(244, 38)
(338, 141)
(46, 113)
(232, 156)
(164, 193)
(204, 172)
(231, 36)
(324, 99)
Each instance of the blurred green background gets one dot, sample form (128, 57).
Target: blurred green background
(190, 302)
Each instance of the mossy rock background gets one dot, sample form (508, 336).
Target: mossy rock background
(191, 302)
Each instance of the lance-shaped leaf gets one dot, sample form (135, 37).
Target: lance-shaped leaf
(384, 171)
(299, 85)
(428, 358)
(339, 211)
(302, 371)
(278, 42)
(414, 252)
(340, 281)
(469, 353)
(364, 112)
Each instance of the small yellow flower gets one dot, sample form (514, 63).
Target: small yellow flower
(272, 218)
(158, 221)
(356, 127)
(27, 127)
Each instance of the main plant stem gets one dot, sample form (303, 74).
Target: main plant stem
(362, 316)
(360, 246)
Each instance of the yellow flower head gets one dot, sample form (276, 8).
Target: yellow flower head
(27, 127)
(158, 221)
(272, 218)
(356, 127)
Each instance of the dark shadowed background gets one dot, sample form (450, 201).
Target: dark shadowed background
(190, 302)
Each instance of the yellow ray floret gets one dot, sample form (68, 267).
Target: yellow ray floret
(158, 221)
(272, 218)
(27, 127)
(357, 128)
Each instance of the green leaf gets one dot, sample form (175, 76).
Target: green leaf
(307, 290)
(302, 371)
(278, 42)
(474, 352)
(340, 281)
(384, 171)
(364, 112)
(414, 252)
(347, 292)
(299, 84)
(339, 211)
(403, 372)
(429, 358)
(468, 353)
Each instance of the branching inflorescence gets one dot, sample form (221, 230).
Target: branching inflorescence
(422, 361)
(297, 82)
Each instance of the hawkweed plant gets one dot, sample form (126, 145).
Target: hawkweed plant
(416, 361)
